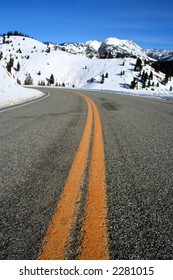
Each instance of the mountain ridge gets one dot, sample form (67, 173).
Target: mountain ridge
(162, 54)
(105, 65)
(158, 54)
(111, 47)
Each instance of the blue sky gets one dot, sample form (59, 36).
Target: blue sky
(148, 23)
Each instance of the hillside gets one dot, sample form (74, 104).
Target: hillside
(11, 93)
(112, 66)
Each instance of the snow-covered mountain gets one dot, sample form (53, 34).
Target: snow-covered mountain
(163, 55)
(70, 65)
(109, 48)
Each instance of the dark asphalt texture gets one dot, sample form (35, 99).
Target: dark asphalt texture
(138, 141)
(37, 146)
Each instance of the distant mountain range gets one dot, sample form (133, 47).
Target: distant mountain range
(113, 48)
(108, 48)
(111, 64)
(162, 55)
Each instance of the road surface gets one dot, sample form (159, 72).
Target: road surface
(87, 175)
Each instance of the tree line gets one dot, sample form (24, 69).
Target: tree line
(14, 33)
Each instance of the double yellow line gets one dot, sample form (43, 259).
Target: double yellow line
(94, 234)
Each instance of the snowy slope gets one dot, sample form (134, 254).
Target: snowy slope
(11, 93)
(88, 49)
(72, 66)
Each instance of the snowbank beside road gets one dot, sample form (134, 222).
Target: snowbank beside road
(11, 93)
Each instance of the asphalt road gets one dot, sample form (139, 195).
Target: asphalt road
(38, 143)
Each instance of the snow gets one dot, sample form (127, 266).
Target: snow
(94, 44)
(164, 55)
(11, 93)
(74, 70)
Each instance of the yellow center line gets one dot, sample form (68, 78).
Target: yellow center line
(94, 232)
(54, 241)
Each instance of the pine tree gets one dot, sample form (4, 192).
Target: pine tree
(133, 83)
(3, 39)
(10, 64)
(19, 51)
(144, 83)
(144, 78)
(167, 75)
(145, 62)
(146, 75)
(138, 65)
(18, 66)
(47, 50)
(51, 80)
(166, 79)
(151, 75)
(42, 83)
(28, 80)
(19, 82)
(102, 79)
